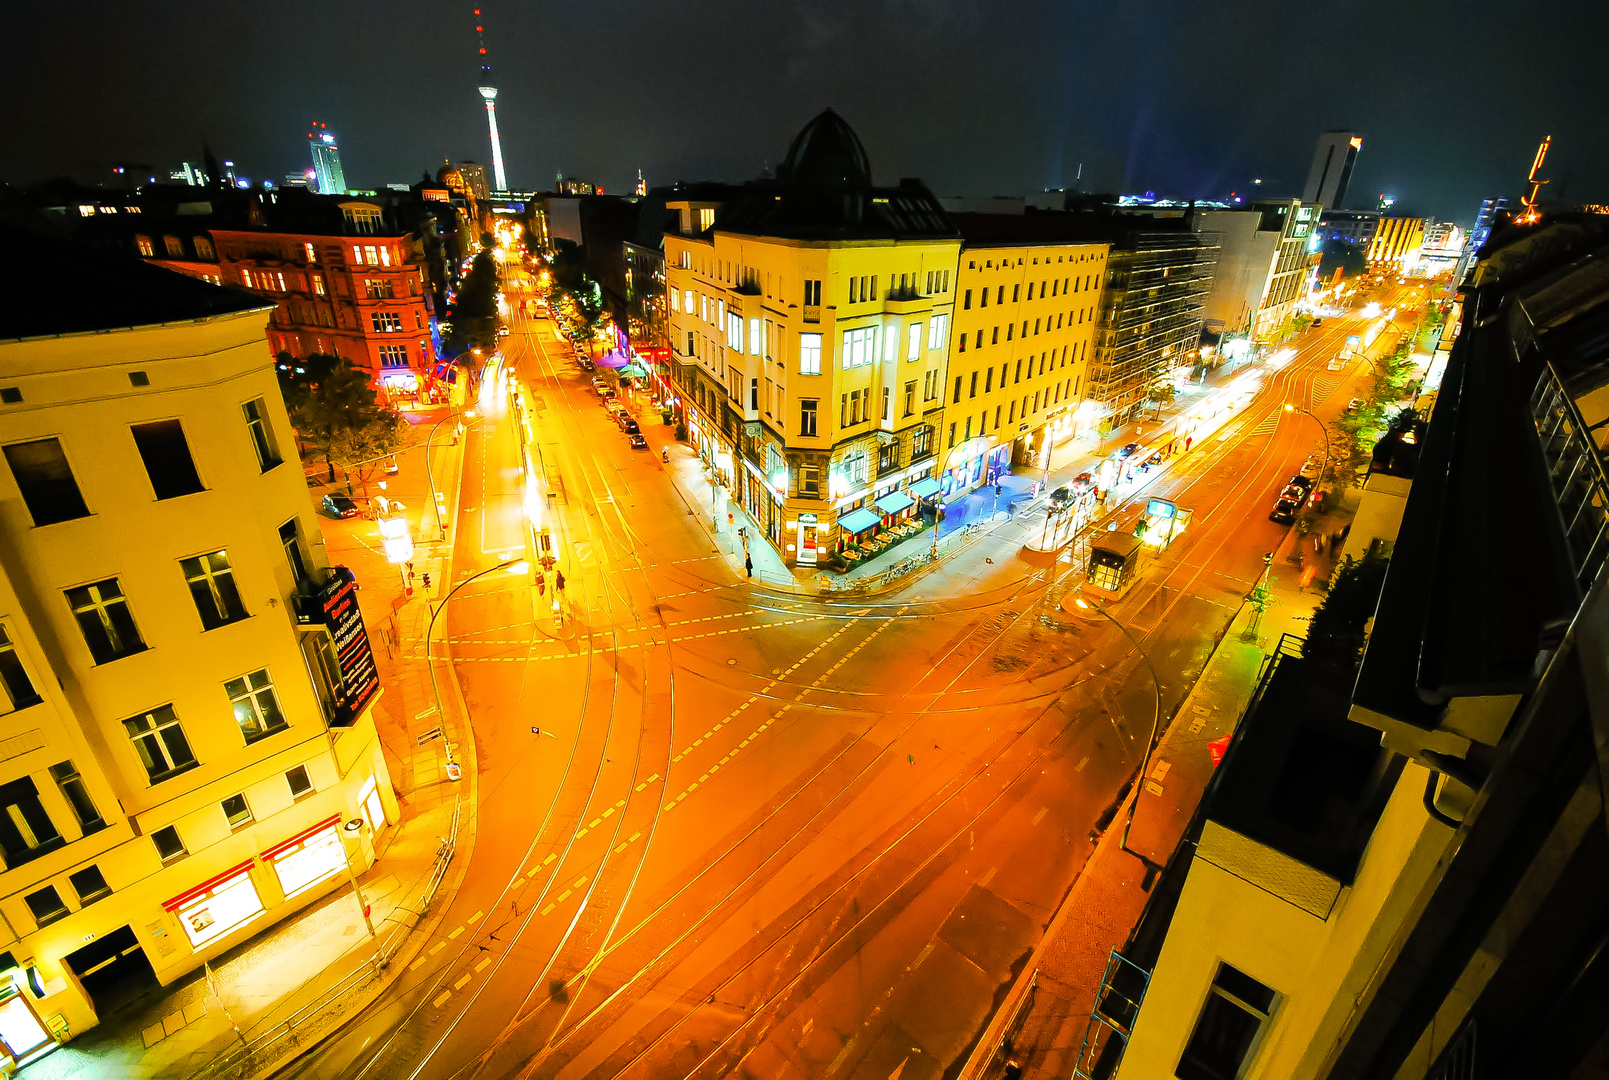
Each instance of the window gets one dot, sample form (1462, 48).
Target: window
(921, 443)
(810, 355)
(168, 845)
(318, 284)
(90, 885)
(211, 912)
(930, 386)
(77, 796)
(19, 689)
(298, 781)
(706, 219)
(46, 481)
(994, 338)
(1226, 1032)
(936, 330)
(972, 386)
(809, 482)
(385, 322)
(305, 861)
(754, 338)
(377, 288)
(144, 245)
(362, 219)
(963, 343)
(212, 587)
(310, 251)
(812, 294)
(988, 380)
(262, 435)
(913, 346)
(910, 398)
(957, 398)
(103, 615)
(236, 812)
(983, 298)
(952, 434)
(393, 356)
(859, 347)
(754, 395)
(26, 831)
(160, 742)
(204, 249)
(175, 247)
(256, 707)
(166, 454)
(966, 300)
(46, 905)
(292, 543)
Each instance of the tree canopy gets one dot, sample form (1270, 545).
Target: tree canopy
(332, 406)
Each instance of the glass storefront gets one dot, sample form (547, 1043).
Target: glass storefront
(310, 860)
(213, 909)
(20, 1028)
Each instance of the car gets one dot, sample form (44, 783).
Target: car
(502, 331)
(1301, 482)
(1354, 405)
(606, 393)
(340, 506)
(628, 425)
(1318, 322)
(1128, 450)
(1311, 468)
(637, 441)
(1286, 506)
(391, 466)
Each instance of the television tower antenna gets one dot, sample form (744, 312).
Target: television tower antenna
(488, 92)
(1532, 214)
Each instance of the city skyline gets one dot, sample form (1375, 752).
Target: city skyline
(966, 101)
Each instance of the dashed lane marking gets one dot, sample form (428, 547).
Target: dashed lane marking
(459, 985)
(437, 947)
(483, 962)
(441, 998)
(475, 918)
(456, 931)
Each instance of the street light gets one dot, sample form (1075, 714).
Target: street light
(435, 499)
(519, 565)
(355, 828)
(1156, 721)
(1324, 431)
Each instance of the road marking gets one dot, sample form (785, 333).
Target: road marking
(443, 996)
(1043, 810)
(563, 896)
(621, 846)
(437, 947)
(549, 908)
(580, 834)
(593, 824)
(926, 949)
(475, 918)
(416, 964)
(988, 877)
(459, 985)
(580, 881)
(549, 859)
(455, 933)
(609, 811)
(632, 839)
(483, 962)
(1161, 770)
(517, 882)
(1081, 763)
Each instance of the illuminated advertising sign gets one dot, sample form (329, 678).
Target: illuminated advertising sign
(359, 679)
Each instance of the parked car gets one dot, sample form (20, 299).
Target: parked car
(340, 506)
(637, 441)
(1128, 450)
(1311, 467)
(606, 393)
(628, 425)
(1318, 322)
(1300, 481)
(1286, 506)
(1354, 405)
(391, 466)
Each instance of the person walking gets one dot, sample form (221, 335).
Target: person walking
(748, 566)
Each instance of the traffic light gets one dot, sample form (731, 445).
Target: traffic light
(424, 578)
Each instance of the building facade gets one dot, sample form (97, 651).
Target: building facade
(1018, 365)
(187, 698)
(328, 176)
(1396, 242)
(1397, 869)
(809, 322)
(1331, 170)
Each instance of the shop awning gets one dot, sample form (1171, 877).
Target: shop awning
(858, 521)
(895, 502)
(925, 488)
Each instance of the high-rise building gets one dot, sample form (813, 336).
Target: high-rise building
(1331, 170)
(1397, 869)
(1396, 240)
(186, 688)
(488, 93)
(329, 178)
(809, 322)
(1266, 253)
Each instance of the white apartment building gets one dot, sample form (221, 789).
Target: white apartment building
(187, 746)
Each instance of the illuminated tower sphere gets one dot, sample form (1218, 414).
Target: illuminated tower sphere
(489, 93)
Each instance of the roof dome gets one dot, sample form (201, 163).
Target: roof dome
(826, 153)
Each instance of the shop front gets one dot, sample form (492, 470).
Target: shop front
(309, 857)
(217, 905)
(977, 461)
(810, 537)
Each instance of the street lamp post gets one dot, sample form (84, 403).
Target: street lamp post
(1324, 431)
(430, 477)
(355, 827)
(430, 630)
(1156, 721)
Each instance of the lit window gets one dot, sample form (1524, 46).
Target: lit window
(256, 708)
(318, 284)
(144, 244)
(309, 251)
(357, 255)
(160, 743)
(219, 908)
(305, 861)
(936, 330)
(204, 249)
(377, 288)
(245, 278)
(754, 337)
(175, 247)
(913, 348)
(810, 354)
(385, 321)
(859, 347)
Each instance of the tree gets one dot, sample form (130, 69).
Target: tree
(1335, 636)
(333, 408)
(474, 311)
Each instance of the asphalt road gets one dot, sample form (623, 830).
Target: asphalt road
(761, 833)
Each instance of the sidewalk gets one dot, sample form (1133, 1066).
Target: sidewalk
(1110, 893)
(285, 975)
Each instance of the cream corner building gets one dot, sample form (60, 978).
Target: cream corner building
(810, 319)
(180, 743)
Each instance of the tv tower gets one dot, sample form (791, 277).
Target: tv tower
(489, 93)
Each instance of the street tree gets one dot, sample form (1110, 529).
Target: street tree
(1335, 636)
(335, 413)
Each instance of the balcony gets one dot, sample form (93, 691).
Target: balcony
(812, 313)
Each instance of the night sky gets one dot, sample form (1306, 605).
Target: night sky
(998, 97)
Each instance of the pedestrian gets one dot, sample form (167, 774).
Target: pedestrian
(1187, 440)
(748, 566)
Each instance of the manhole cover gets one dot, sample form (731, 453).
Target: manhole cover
(732, 661)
